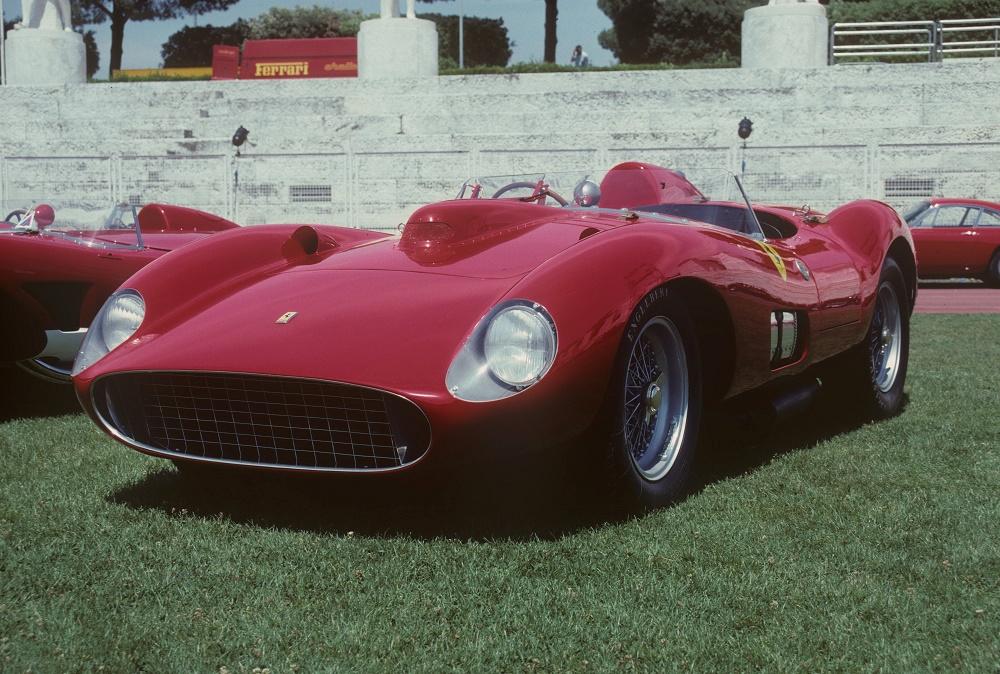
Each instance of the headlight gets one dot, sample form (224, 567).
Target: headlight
(519, 345)
(117, 320)
(510, 349)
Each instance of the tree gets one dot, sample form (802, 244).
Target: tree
(679, 31)
(911, 10)
(551, 18)
(93, 54)
(305, 22)
(120, 12)
(486, 41)
(191, 46)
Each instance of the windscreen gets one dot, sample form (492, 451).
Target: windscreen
(712, 196)
(116, 226)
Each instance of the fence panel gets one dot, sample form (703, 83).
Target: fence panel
(378, 190)
(391, 185)
(910, 173)
(199, 181)
(74, 182)
(822, 177)
(292, 188)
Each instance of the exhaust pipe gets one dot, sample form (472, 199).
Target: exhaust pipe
(794, 400)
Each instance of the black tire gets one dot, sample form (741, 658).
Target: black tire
(993, 271)
(649, 458)
(871, 375)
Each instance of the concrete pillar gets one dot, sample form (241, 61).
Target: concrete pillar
(45, 57)
(785, 34)
(397, 48)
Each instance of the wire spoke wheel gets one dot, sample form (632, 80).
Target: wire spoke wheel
(656, 398)
(885, 338)
(869, 377)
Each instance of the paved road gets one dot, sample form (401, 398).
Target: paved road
(957, 298)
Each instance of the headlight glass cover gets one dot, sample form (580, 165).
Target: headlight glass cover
(114, 324)
(509, 350)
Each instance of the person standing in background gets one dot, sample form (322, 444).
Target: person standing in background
(579, 58)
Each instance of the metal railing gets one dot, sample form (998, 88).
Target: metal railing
(930, 40)
(978, 28)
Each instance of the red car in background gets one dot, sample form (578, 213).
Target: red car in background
(509, 319)
(57, 269)
(957, 238)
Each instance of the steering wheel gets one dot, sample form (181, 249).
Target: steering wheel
(15, 216)
(523, 184)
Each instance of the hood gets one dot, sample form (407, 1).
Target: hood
(471, 239)
(393, 330)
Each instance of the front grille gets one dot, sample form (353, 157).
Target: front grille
(274, 421)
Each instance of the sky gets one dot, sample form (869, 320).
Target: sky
(580, 21)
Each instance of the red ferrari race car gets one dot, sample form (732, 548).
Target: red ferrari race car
(957, 238)
(56, 270)
(512, 318)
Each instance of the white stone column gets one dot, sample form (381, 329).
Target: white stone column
(785, 34)
(392, 48)
(38, 56)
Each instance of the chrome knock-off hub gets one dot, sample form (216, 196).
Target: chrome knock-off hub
(654, 397)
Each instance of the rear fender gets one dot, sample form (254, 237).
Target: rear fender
(868, 230)
(168, 218)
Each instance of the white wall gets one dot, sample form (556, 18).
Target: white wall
(366, 153)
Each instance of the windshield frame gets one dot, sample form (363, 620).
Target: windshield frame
(85, 234)
(481, 186)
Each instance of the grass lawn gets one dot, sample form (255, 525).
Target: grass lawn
(820, 548)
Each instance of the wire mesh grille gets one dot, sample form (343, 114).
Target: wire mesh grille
(265, 420)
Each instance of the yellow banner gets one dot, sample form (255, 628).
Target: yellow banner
(162, 72)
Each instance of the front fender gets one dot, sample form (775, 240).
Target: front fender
(207, 270)
(591, 290)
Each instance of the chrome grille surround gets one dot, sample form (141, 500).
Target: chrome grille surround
(259, 420)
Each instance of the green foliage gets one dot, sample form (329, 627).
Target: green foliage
(305, 22)
(845, 11)
(911, 10)
(98, 11)
(191, 46)
(449, 67)
(486, 40)
(120, 12)
(551, 17)
(681, 31)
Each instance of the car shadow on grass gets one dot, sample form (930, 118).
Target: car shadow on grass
(24, 396)
(544, 501)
